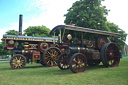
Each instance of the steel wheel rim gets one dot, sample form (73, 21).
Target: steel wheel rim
(51, 56)
(112, 55)
(78, 63)
(63, 62)
(18, 62)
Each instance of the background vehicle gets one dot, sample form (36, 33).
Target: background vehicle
(27, 48)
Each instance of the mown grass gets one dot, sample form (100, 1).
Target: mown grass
(4, 60)
(36, 74)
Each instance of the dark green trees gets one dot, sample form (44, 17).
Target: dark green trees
(120, 41)
(87, 13)
(37, 31)
(12, 32)
(91, 14)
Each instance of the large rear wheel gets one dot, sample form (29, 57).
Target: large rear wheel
(110, 55)
(51, 55)
(78, 63)
(18, 61)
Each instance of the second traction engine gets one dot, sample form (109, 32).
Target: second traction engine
(26, 48)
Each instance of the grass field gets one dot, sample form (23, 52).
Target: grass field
(4, 60)
(36, 74)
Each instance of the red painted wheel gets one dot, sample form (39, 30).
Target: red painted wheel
(63, 62)
(18, 61)
(78, 63)
(110, 55)
(51, 55)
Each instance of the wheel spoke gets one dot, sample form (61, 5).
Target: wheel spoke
(19, 58)
(74, 67)
(48, 53)
(54, 52)
(74, 62)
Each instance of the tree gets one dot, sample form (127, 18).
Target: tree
(12, 32)
(2, 44)
(3, 51)
(120, 41)
(91, 14)
(87, 13)
(37, 31)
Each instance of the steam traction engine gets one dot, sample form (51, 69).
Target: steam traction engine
(81, 46)
(27, 48)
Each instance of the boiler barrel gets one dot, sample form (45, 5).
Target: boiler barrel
(24, 52)
(72, 50)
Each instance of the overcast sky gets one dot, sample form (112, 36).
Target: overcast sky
(50, 13)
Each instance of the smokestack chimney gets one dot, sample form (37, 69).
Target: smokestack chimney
(20, 29)
(20, 24)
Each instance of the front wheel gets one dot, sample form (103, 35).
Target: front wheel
(63, 62)
(78, 63)
(18, 61)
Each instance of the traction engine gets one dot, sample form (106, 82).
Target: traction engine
(27, 48)
(84, 46)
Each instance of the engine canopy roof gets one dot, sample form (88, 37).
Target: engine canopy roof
(82, 29)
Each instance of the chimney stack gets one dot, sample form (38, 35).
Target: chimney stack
(20, 24)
